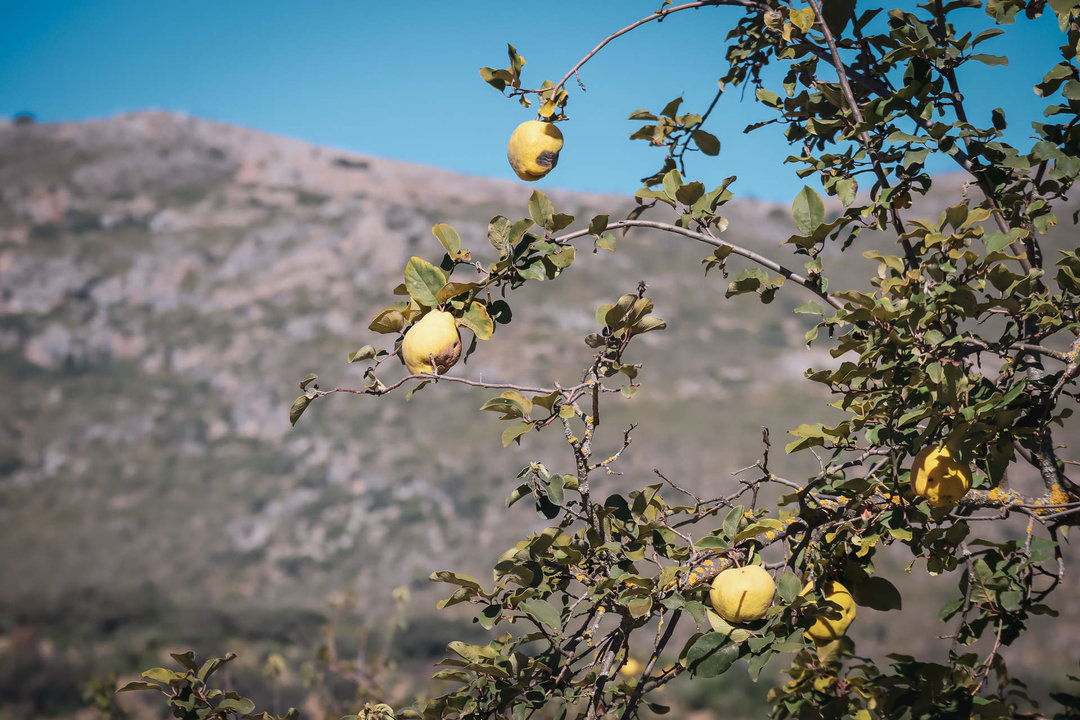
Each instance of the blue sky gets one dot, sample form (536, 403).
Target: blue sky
(400, 80)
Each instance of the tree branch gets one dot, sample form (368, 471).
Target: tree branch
(656, 16)
(864, 136)
(715, 242)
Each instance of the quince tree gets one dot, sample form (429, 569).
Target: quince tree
(964, 340)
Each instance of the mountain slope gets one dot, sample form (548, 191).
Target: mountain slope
(165, 281)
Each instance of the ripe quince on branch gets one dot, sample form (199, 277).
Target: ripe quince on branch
(937, 476)
(434, 336)
(742, 594)
(831, 626)
(534, 149)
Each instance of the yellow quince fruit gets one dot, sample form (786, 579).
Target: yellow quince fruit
(434, 336)
(534, 149)
(742, 594)
(834, 623)
(937, 476)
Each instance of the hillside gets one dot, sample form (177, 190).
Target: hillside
(165, 281)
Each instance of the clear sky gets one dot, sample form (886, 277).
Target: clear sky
(400, 80)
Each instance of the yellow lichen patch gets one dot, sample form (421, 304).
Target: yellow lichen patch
(1003, 496)
(701, 573)
(1057, 495)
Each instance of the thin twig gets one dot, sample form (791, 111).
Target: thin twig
(715, 242)
(656, 16)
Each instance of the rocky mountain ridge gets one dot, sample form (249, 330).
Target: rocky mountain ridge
(165, 281)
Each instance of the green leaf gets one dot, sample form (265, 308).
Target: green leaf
(647, 324)
(187, 659)
(689, 193)
(810, 308)
(846, 189)
(722, 626)
(453, 289)
(510, 401)
(706, 142)
(877, 593)
(768, 97)
(453, 578)
(995, 241)
(499, 232)
(556, 486)
(298, 407)
(546, 401)
(516, 60)
(243, 706)
(517, 230)
(991, 59)
(500, 312)
(448, 237)
(598, 225)
(1071, 91)
(507, 407)
(212, 665)
(390, 320)
(639, 607)
(710, 655)
(671, 108)
(808, 210)
(542, 611)
(672, 181)
(788, 586)
(763, 525)
(514, 433)
(564, 258)
(365, 353)
(424, 281)
(492, 77)
(837, 13)
(1010, 600)
(308, 379)
(477, 319)
(756, 664)
(163, 675)
(560, 221)
(522, 490)
(732, 521)
(541, 210)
